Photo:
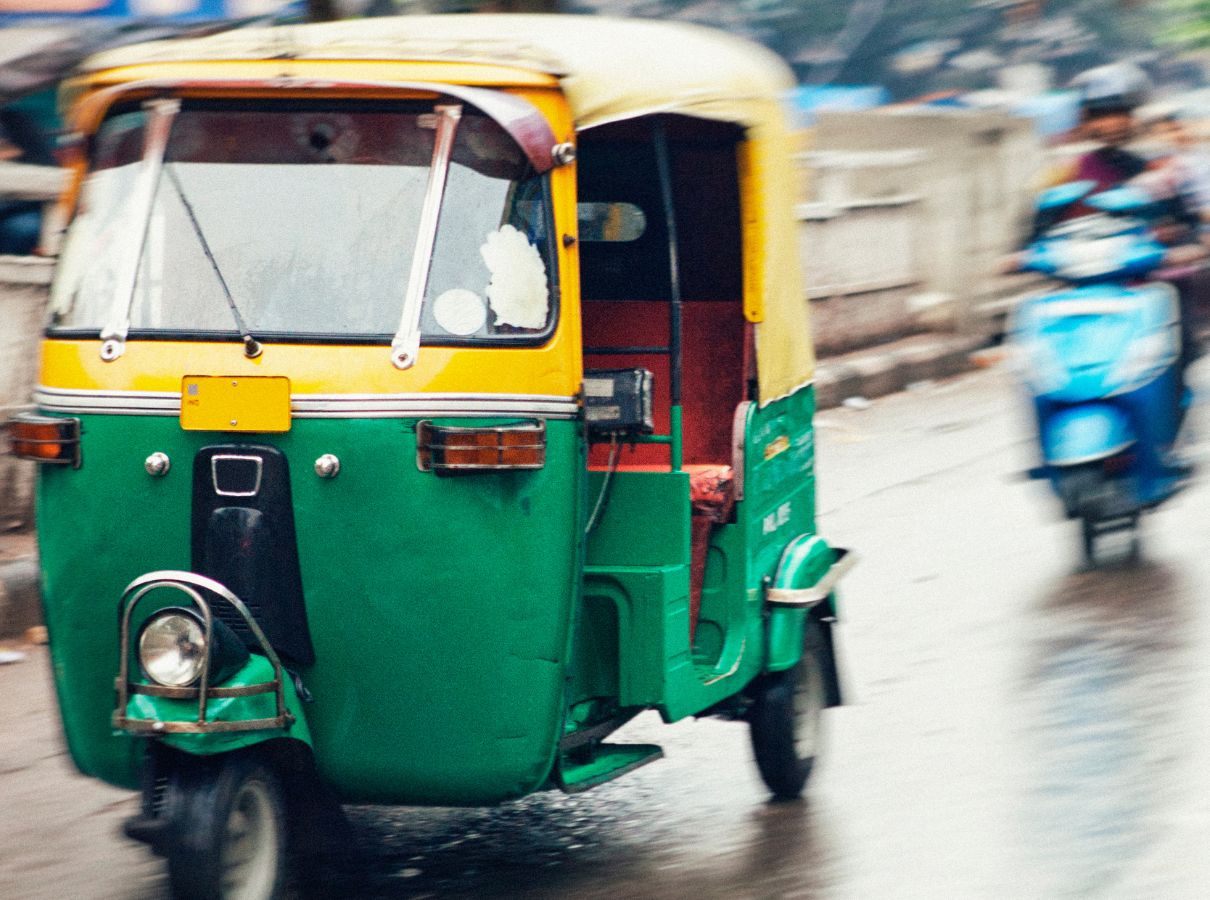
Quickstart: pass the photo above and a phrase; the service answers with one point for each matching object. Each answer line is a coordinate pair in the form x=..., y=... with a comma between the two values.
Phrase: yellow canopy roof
x=609, y=70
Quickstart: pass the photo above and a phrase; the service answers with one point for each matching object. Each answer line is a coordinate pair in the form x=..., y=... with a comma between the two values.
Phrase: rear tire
x=229, y=833
x=786, y=719
x=1088, y=534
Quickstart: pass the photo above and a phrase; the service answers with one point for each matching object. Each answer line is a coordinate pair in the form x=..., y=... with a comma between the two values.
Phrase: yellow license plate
x=234, y=403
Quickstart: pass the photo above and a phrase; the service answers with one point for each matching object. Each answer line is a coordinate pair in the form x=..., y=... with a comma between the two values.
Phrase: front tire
x=786, y=718
x=229, y=833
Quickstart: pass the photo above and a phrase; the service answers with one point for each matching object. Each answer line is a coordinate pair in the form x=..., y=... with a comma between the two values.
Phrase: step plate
x=609, y=761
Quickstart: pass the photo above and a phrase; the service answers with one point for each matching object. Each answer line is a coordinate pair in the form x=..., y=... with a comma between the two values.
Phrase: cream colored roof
x=609, y=69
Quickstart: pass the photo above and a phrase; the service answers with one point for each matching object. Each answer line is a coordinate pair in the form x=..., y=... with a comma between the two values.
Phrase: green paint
x=439, y=607
x=806, y=560
x=644, y=522
x=258, y=670
x=677, y=435
x=605, y=763
x=637, y=581
x=447, y=669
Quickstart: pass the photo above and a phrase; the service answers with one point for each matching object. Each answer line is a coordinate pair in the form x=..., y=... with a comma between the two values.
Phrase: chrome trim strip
x=807, y=597
x=236, y=457
x=321, y=406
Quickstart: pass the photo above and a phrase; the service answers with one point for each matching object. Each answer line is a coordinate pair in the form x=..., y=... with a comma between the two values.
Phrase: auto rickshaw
x=422, y=399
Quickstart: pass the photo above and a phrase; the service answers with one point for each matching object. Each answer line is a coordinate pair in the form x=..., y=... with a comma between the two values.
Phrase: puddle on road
x=1101, y=724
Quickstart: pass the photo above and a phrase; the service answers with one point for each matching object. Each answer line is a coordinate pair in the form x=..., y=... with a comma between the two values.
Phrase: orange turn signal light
x=453, y=450
x=44, y=439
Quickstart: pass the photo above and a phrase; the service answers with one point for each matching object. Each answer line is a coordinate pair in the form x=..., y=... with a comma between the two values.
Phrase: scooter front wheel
x=1090, y=530
x=229, y=834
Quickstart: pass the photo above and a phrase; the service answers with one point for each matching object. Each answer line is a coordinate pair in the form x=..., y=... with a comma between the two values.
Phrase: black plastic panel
x=243, y=536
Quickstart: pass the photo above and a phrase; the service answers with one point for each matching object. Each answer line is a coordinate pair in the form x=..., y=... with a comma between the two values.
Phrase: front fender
x=1085, y=433
x=802, y=586
x=256, y=671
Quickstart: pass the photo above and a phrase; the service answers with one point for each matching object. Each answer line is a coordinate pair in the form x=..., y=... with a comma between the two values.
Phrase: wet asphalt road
x=1017, y=726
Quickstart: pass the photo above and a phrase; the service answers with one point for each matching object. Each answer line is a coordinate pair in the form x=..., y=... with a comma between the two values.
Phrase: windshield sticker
x=518, y=291
x=459, y=311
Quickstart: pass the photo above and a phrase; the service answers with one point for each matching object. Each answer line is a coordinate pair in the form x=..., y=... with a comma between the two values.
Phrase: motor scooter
x=1101, y=359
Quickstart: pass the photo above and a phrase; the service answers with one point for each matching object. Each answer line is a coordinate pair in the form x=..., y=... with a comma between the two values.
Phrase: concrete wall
x=954, y=186
x=23, y=292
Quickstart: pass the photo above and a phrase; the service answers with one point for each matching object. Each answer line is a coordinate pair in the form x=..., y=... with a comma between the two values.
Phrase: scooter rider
x=1110, y=95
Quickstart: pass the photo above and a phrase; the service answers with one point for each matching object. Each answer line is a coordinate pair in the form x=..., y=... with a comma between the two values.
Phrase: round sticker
x=460, y=311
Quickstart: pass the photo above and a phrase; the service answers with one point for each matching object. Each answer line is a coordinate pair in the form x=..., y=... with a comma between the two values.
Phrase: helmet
x=1116, y=87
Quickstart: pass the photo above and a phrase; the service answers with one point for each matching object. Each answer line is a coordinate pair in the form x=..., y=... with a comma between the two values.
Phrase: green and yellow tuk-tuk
x=422, y=399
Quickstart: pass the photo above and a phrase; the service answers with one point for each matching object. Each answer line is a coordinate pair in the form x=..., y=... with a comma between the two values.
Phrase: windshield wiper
x=406, y=344
x=252, y=347
x=160, y=116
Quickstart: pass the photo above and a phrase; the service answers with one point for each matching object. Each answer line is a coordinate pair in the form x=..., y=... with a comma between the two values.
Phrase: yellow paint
x=85, y=96
x=226, y=403
x=552, y=369
x=778, y=445
x=321, y=368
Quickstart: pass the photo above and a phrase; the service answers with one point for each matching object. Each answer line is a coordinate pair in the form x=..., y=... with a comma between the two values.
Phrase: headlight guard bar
x=193, y=586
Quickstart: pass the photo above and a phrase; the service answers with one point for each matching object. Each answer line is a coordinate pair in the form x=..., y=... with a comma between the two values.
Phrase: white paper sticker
x=460, y=311
x=518, y=292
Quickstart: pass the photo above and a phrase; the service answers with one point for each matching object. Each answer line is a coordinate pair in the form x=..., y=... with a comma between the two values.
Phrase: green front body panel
x=439, y=607
x=632, y=643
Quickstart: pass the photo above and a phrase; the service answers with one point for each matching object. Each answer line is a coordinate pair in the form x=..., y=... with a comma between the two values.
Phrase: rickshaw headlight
x=172, y=648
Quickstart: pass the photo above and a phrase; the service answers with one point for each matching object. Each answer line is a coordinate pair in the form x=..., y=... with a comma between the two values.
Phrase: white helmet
x=1116, y=87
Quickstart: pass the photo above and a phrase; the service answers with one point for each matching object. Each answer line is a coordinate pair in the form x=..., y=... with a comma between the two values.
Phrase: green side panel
x=637, y=571
x=656, y=667
x=439, y=607
x=258, y=670
x=644, y=520
x=779, y=477
x=651, y=607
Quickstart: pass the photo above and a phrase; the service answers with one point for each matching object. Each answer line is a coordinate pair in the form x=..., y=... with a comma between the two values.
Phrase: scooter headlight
x=172, y=647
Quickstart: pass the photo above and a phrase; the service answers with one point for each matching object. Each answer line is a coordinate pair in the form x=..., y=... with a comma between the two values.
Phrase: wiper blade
x=252, y=347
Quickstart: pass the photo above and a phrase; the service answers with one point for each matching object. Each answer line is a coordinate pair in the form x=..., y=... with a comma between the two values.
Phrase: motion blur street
x=1016, y=726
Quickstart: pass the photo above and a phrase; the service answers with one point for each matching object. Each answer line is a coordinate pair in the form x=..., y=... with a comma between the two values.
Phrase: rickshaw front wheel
x=229, y=840
x=786, y=716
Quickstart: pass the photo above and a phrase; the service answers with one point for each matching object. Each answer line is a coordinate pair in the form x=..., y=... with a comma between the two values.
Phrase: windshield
x=309, y=216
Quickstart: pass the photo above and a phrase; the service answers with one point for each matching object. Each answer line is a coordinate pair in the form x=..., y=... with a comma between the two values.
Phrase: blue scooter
x=1102, y=360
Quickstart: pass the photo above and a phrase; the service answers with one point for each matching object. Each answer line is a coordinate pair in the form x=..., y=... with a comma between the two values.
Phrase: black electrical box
x=618, y=402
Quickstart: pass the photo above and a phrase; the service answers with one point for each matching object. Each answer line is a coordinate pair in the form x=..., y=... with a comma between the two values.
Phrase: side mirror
x=618, y=402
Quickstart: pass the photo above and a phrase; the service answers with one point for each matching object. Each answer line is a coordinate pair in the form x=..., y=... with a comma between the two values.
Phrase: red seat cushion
x=711, y=491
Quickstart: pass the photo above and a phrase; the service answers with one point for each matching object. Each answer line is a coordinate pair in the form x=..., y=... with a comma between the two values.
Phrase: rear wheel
x=786, y=719
x=229, y=834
